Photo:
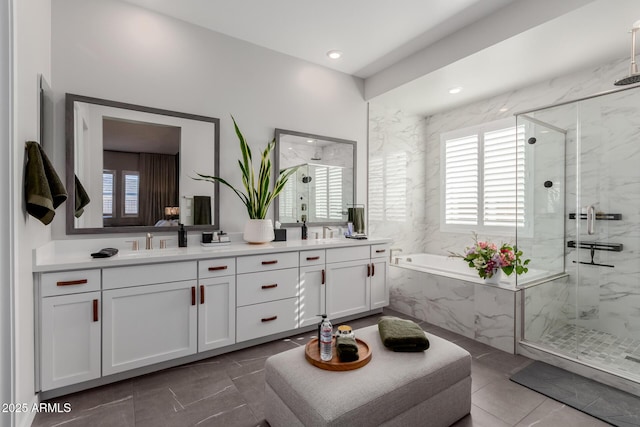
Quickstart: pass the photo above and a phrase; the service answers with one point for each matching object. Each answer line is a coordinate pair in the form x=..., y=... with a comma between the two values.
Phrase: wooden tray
x=312, y=354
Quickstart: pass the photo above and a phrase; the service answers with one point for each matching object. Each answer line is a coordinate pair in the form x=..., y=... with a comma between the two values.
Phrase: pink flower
x=483, y=245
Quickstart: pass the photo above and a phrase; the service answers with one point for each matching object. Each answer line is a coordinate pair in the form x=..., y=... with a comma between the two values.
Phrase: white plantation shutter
x=483, y=177
x=287, y=201
x=321, y=196
x=131, y=193
x=500, y=182
x=376, y=189
x=334, y=188
x=107, y=193
x=461, y=180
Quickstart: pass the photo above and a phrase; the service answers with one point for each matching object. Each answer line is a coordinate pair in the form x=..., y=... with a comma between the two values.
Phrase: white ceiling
x=380, y=38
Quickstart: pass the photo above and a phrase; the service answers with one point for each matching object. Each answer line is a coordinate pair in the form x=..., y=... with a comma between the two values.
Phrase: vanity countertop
x=60, y=255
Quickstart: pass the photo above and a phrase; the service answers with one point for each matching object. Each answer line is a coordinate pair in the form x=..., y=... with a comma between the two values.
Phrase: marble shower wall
x=397, y=182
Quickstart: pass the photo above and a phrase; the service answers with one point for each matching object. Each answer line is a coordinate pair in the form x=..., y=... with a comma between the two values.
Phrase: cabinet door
x=70, y=339
x=379, y=285
x=148, y=324
x=311, y=297
x=348, y=288
x=216, y=313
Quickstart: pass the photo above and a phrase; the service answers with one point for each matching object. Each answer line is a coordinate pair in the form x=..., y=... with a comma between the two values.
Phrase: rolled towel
x=347, y=349
x=401, y=335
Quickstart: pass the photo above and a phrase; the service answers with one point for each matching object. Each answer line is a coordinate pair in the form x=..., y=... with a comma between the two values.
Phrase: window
x=328, y=193
x=483, y=177
x=131, y=181
x=107, y=193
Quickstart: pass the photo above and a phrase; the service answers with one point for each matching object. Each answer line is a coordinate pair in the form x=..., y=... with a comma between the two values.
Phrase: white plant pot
x=495, y=279
x=258, y=231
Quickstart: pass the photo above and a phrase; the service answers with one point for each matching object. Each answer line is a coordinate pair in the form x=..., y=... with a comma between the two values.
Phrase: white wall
x=6, y=181
x=32, y=53
x=113, y=50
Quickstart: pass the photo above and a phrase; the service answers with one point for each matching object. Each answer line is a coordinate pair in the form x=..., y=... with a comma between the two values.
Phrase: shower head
x=634, y=76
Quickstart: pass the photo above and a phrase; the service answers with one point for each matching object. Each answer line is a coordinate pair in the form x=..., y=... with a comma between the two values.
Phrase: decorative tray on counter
x=312, y=354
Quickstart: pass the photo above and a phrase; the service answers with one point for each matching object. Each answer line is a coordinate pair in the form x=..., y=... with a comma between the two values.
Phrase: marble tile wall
x=484, y=313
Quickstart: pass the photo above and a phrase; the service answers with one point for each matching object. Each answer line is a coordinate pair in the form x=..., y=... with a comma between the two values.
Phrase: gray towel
x=82, y=198
x=201, y=210
x=44, y=191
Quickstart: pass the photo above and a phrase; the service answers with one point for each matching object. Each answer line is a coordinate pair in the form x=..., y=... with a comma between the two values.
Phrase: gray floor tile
x=506, y=400
x=118, y=413
x=480, y=418
x=552, y=413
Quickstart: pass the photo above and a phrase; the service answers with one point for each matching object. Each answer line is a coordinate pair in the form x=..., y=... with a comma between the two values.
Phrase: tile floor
x=599, y=348
x=227, y=391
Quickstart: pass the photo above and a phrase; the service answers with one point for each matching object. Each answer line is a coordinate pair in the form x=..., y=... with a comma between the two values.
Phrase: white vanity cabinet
x=216, y=303
x=70, y=324
x=267, y=295
x=116, y=317
x=148, y=321
x=348, y=288
x=311, y=294
x=356, y=280
x=379, y=274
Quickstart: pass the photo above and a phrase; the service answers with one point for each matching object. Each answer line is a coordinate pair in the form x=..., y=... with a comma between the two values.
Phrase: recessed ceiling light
x=455, y=90
x=334, y=54
x=503, y=109
x=310, y=141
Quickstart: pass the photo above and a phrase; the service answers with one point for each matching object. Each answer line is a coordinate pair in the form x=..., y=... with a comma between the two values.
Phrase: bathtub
x=457, y=268
x=446, y=292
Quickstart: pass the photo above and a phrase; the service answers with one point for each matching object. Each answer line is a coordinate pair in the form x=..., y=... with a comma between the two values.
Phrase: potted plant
x=258, y=194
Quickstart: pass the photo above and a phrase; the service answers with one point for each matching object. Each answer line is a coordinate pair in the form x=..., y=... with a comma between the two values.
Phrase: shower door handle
x=591, y=219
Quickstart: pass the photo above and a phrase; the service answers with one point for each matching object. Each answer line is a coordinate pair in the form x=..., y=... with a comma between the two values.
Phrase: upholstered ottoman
x=431, y=388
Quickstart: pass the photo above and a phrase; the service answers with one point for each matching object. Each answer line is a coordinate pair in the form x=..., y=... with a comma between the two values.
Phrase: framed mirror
x=129, y=168
x=324, y=186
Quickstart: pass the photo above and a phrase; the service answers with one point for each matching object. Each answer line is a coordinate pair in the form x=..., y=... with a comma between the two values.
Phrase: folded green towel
x=82, y=199
x=347, y=349
x=401, y=335
x=201, y=210
x=43, y=188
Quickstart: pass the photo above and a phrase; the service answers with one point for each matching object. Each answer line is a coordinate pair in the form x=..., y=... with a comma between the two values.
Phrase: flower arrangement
x=488, y=258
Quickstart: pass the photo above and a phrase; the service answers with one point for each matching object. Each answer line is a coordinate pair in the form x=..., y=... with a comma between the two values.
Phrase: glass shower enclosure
x=581, y=204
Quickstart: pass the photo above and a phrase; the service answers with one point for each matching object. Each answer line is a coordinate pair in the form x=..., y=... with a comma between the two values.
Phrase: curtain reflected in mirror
x=323, y=187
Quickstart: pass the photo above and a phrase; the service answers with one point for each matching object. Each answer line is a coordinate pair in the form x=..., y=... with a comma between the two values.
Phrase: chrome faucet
x=324, y=231
x=391, y=251
x=149, y=244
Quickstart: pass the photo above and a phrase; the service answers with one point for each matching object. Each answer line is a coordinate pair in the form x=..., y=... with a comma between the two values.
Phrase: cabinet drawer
x=122, y=277
x=69, y=282
x=255, y=288
x=268, y=318
x=380, y=251
x=348, y=254
x=312, y=258
x=266, y=262
x=216, y=267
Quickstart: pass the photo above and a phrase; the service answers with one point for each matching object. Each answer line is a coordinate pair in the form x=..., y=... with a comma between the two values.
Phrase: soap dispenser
x=304, y=230
x=182, y=236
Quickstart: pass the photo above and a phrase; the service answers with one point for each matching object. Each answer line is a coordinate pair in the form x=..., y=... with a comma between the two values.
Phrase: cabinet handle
x=275, y=285
x=269, y=319
x=201, y=294
x=221, y=267
x=95, y=310
x=313, y=258
x=381, y=251
x=193, y=295
x=368, y=270
x=323, y=276
x=373, y=270
x=72, y=282
x=275, y=261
